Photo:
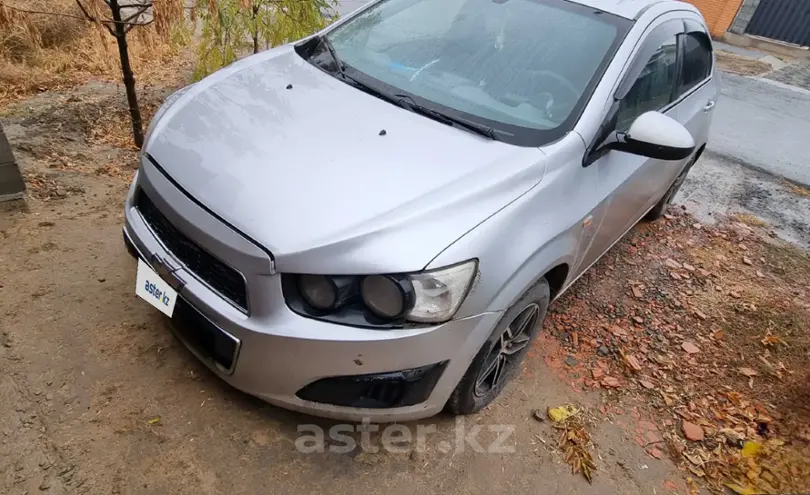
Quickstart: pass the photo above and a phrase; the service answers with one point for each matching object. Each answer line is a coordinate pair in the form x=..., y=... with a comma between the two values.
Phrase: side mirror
x=657, y=136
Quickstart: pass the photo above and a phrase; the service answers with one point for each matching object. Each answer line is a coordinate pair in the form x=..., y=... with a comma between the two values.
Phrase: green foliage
x=234, y=28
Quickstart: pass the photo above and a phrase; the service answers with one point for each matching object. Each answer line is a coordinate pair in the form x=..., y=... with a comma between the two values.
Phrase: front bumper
x=280, y=353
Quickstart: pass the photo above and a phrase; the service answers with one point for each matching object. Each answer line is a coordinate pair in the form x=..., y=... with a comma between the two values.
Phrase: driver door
x=631, y=184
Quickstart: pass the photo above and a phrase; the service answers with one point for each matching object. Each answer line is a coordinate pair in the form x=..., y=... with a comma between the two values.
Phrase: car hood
x=326, y=177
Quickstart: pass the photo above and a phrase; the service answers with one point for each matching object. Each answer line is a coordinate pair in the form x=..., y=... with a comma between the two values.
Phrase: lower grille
x=219, y=276
x=205, y=337
x=376, y=391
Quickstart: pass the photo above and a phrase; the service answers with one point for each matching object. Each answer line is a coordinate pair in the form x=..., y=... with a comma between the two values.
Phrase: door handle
x=709, y=105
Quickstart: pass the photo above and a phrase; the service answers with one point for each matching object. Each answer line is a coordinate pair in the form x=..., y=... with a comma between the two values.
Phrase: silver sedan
x=372, y=222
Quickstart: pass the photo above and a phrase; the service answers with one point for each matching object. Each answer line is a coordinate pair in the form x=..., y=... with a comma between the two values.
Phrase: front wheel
x=660, y=207
x=501, y=355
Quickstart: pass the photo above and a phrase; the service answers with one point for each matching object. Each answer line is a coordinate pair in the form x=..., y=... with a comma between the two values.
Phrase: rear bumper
x=281, y=353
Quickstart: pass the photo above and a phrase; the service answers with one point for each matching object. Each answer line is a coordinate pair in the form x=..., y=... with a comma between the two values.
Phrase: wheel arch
x=556, y=278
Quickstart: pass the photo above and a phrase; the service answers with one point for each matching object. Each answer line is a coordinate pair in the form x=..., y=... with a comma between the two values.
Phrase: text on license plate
x=154, y=290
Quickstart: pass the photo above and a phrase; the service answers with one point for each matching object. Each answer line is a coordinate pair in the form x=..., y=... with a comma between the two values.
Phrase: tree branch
x=85, y=12
x=26, y=11
x=87, y=15
x=129, y=27
x=136, y=4
x=137, y=13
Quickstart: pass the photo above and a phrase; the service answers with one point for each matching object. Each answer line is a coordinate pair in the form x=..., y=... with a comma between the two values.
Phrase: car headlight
x=325, y=293
x=169, y=101
x=432, y=296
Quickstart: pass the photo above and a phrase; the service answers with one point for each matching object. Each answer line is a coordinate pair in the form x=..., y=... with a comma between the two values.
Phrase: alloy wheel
x=505, y=352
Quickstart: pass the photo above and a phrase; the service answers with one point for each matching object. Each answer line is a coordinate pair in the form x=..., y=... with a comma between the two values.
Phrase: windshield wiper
x=406, y=101
x=331, y=49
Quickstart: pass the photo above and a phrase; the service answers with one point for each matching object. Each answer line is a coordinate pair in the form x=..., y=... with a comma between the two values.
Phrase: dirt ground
x=736, y=64
x=97, y=396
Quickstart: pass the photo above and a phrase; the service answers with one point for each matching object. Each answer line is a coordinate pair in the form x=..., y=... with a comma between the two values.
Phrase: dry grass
x=41, y=52
x=799, y=190
x=751, y=220
x=740, y=65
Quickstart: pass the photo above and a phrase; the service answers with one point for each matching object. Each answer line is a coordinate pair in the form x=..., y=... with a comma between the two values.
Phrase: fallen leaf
x=619, y=332
x=610, y=382
x=741, y=490
x=690, y=348
x=719, y=334
x=673, y=264
x=637, y=293
x=770, y=340
x=646, y=384
x=751, y=449
x=747, y=372
x=153, y=421
x=697, y=471
x=561, y=413
x=632, y=362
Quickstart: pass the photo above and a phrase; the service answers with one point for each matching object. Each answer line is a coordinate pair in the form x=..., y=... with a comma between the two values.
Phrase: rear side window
x=697, y=61
x=653, y=88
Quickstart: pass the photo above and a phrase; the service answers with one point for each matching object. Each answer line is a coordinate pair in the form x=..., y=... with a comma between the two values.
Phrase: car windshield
x=521, y=67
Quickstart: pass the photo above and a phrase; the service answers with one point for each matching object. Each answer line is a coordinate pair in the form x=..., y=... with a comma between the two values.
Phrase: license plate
x=154, y=290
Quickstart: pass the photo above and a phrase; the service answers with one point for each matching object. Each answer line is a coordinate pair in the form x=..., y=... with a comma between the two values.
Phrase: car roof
x=629, y=9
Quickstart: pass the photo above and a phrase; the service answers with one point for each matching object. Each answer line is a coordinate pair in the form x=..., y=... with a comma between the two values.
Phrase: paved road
x=763, y=125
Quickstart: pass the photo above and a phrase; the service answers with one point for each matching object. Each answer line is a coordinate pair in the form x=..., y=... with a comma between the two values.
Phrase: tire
x=478, y=389
x=661, y=207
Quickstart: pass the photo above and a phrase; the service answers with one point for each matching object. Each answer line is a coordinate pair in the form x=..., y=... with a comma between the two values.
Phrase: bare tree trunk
x=255, y=29
x=120, y=32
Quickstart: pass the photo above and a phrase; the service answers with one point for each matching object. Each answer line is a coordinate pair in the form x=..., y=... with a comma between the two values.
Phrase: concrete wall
x=11, y=183
x=719, y=14
x=744, y=16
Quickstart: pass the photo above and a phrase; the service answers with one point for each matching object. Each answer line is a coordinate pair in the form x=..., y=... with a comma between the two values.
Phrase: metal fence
x=783, y=20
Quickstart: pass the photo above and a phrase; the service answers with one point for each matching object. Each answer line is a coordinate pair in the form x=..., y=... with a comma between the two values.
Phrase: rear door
x=696, y=92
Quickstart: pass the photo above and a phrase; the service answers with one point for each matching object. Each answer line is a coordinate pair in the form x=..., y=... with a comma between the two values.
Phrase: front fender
x=525, y=240
x=508, y=269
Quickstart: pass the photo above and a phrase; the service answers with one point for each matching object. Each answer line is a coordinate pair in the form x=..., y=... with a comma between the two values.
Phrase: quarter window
x=697, y=61
x=653, y=88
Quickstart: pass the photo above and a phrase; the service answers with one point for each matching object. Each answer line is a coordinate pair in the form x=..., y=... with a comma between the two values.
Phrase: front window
x=525, y=68
x=653, y=88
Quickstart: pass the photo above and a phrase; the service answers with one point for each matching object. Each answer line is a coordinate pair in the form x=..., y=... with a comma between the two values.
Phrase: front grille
x=219, y=276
